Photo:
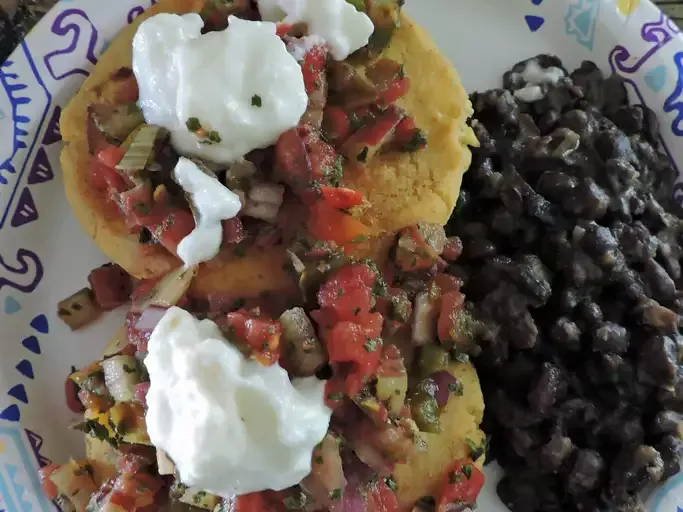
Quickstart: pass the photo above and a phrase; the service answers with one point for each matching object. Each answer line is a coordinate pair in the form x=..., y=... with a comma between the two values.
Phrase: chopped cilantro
x=416, y=142
x=129, y=369
x=335, y=396
x=391, y=483
x=318, y=459
x=467, y=471
x=256, y=101
x=453, y=477
x=371, y=345
x=363, y=155
x=198, y=497
x=359, y=239
x=214, y=136
x=456, y=388
x=193, y=124
x=336, y=494
x=340, y=292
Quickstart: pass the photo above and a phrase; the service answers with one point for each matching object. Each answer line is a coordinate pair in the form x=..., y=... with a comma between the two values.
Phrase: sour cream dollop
x=240, y=84
x=213, y=203
x=337, y=22
x=230, y=425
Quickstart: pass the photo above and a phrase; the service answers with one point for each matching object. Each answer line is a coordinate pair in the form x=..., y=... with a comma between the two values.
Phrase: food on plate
x=358, y=394
x=571, y=261
x=339, y=116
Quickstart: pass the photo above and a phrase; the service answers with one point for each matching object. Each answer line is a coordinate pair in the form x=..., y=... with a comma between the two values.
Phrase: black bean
x=566, y=334
x=660, y=286
x=609, y=337
x=544, y=394
x=658, y=360
x=586, y=473
x=555, y=452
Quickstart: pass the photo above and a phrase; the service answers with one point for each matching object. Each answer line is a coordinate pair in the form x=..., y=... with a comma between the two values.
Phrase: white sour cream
x=337, y=22
x=534, y=74
x=230, y=425
x=213, y=203
x=240, y=83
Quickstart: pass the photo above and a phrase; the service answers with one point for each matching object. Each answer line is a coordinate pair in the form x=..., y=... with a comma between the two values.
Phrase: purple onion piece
x=443, y=379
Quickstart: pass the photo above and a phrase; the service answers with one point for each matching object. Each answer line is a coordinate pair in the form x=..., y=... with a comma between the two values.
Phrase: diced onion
x=424, y=319
x=150, y=318
x=120, y=377
x=168, y=291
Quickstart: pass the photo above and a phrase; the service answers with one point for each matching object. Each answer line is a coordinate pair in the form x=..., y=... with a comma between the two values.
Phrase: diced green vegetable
x=143, y=149
x=425, y=408
x=116, y=122
x=432, y=359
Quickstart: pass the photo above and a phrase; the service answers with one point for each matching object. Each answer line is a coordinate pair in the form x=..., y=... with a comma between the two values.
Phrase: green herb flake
x=416, y=142
x=335, y=396
x=256, y=101
x=129, y=369
x=391, y=483
x=455, y=388
x=467, y=471
x=293, y=502
x=142, y=208
x=371, y=345
x=471, y=445
x=453, y=477
x=318, y=459
x=193, y=124
x=214, y=136
x=360, y=239
x=198, y=497
x=363, y=155
x=336, y=494
x=340, y=292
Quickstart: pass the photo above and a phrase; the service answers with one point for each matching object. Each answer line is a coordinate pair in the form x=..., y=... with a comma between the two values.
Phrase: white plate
x=44, y=256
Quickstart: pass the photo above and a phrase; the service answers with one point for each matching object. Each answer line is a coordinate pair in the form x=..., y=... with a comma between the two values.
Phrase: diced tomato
x=331, y=225
x=292, y=163
x=380, y=498
x=396, y=89
x=49, y=487
x=349, y=342
x=356, y=273
x=348, y=292
x=447, y=283
x=313, y=68
x=377, y=132
x=71, y=393
x=336, y=124
x=122, y=500
x=253, y=502
x=453, y=249
x=282, y=29
x=260, y=333
x=461, y=485
x=449, y=317
x=404, y=131
x=326, y=165
x=127, y=85
x=341, y=198
x=233, y=231
x=104, y=174
x=111, y=286
x=175, y=226
x=391, y=364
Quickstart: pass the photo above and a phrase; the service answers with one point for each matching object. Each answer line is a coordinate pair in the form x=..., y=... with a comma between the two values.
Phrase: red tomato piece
x=313, y=68
x=461, y=485
x=341, y=198
x=254, y=502
x=233, y=231
x=103, y=171
x=336, y=124
x=380, y=498
x=331, y=225
x=292, y=163
x=451, y=307
x=396, y=89
x=282, y=29
x=49, y=487
x=404, y=131
x=326, y=166
x=447, y=283
x=260, y=333
x=172, y=229
x=453, y=249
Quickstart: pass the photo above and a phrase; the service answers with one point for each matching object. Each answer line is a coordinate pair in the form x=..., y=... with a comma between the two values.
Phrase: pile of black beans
x=572, y=265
